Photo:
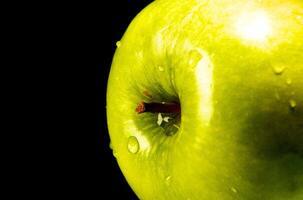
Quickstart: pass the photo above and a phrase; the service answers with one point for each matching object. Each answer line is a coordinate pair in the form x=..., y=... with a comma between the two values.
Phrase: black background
x=92, y=33
x=61, y=57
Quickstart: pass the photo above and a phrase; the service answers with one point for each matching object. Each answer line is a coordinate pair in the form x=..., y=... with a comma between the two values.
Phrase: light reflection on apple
x=254, y=26
x=144, y=144
x=204, y=77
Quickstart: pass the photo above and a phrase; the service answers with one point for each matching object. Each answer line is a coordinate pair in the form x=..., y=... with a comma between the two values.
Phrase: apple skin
x=236, y=67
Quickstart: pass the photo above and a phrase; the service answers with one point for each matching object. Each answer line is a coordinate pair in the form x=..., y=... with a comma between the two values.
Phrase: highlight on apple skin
x=205, y=100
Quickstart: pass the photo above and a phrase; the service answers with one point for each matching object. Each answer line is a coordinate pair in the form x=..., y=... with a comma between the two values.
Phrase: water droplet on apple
x=161, y=69
x=168, y=180
x=194, y=57
x=279, y=69
x=118, y=44
x=139, y=55
x=292, y=104
x=234, y=190
x=111, y=147
x=115, y=153
x=288, y=81
x=133, y=145
x=299, y=19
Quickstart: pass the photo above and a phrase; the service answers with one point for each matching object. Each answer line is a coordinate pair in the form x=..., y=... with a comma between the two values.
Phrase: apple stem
x=158, y=107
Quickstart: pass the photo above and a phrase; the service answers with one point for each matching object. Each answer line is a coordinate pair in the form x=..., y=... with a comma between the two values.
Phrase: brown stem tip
x=153, y=107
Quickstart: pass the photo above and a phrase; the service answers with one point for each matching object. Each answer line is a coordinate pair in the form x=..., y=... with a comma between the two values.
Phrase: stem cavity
x=153, y=107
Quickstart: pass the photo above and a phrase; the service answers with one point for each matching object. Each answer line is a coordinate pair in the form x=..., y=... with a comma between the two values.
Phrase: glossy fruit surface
x=236, y=68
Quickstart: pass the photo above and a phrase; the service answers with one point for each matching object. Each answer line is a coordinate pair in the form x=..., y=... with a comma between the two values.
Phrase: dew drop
x=168, y=180
x=115, y=153
x=279, y=69
x=111, y=147
x=292, y=103
x=234, y=190
x=139, y=55
x=195, y=56
x=299, y=18
x=160, y=68
x=133, y=145
x=288, y=81
x=118, y=44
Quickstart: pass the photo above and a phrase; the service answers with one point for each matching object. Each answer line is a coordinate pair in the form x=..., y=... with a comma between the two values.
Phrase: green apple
x=205, y=100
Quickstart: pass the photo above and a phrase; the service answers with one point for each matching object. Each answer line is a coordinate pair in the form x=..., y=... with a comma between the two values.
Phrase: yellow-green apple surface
x=205, y=100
